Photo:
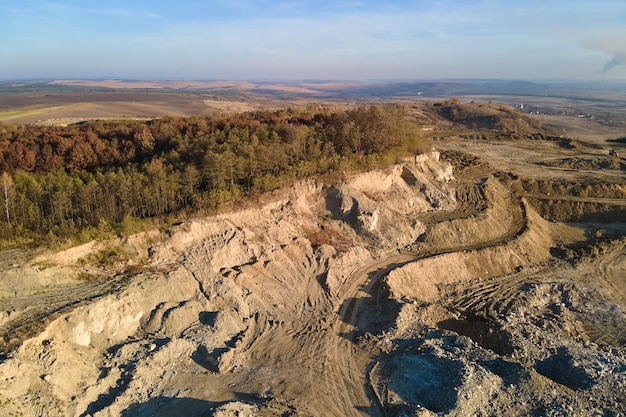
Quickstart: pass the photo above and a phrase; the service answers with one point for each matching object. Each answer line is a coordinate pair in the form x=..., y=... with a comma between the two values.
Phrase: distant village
x=534, y=109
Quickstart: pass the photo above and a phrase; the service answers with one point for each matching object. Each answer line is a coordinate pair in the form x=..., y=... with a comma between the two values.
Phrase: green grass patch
x=10, y=114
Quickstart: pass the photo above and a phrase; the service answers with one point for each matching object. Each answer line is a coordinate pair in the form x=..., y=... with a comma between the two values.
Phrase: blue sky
x=295, y=40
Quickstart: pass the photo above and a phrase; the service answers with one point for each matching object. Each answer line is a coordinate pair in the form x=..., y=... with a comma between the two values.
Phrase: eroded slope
x=416, y=290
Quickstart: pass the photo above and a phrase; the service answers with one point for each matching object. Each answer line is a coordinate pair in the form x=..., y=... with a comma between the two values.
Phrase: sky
x=322, y=40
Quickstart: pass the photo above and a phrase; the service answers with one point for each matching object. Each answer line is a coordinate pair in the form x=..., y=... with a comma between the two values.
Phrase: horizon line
x=303, y=80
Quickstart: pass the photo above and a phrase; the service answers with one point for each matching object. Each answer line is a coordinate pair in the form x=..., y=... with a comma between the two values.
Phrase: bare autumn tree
x=7, y=185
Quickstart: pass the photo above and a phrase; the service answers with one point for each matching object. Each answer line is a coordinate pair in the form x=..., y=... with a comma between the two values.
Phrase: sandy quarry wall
x=420, y=279
x=486, y=212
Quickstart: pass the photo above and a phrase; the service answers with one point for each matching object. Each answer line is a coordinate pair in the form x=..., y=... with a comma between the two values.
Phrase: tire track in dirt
x=363, y=281
x=288, y=350
x=299, y=360
x=596, y=200
x=361, y=284
x=38, y=310
x=492, y=299
x=609, y=272
x=323, y=368
x=547, y=291
x=361, y=287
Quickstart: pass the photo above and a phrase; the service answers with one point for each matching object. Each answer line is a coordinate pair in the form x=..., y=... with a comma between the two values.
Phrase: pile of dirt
x=595, y=163
x=453, y=374
x=527, y=343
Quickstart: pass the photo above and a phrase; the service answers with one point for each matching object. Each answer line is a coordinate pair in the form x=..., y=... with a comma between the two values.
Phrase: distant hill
x=489, y=116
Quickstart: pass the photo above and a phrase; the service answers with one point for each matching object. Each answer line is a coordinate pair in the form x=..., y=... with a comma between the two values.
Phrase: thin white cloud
x=487, y=38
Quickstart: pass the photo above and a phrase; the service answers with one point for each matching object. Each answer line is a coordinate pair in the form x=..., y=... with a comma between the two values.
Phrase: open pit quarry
x=458, y=283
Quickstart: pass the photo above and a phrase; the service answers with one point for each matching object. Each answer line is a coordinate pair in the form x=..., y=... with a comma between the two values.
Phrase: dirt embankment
x=247, y=308
x=417, y=290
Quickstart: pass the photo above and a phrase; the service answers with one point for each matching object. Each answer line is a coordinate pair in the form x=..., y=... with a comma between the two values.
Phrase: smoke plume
x=617, y=60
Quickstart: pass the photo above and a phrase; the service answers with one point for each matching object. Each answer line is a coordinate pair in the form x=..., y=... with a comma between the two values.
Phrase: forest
x=75, y=182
